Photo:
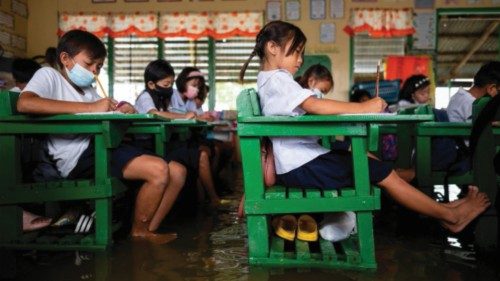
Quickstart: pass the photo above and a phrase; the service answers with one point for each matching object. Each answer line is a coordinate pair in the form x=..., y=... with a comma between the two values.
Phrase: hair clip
x=421, y=82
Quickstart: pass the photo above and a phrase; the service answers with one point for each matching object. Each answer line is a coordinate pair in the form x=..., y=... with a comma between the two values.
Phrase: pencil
x=100, y=86
x=378, y=79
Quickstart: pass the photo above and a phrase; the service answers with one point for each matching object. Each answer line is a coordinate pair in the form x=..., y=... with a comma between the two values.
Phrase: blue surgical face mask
x=80, y=76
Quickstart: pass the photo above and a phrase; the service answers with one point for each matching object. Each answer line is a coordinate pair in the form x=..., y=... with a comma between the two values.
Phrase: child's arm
x=173, y=115
x=327, y=106
x=30, y=102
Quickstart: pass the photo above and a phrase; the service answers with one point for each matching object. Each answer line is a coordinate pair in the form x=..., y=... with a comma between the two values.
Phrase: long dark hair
x=279, y=32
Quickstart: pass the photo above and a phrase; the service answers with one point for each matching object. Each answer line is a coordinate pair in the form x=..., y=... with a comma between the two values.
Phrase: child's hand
x=125, y=107
x=103, y=105
x=374, y=105
x=206, y=116
x=190, y=115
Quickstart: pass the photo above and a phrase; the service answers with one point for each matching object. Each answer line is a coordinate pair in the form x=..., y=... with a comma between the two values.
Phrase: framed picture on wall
x=103, y=1
x=292, y=9
x=273, y=10
x=317, y=9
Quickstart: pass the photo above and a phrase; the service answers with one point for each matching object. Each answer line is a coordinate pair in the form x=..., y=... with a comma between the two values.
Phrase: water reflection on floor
x=212, y=246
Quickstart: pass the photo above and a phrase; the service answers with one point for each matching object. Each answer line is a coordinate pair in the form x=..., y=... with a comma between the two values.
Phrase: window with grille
x=368, y=51
x=131, y=55
x=230, y=55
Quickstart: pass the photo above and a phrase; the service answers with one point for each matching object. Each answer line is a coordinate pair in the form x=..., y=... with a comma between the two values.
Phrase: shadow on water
x=212, y=246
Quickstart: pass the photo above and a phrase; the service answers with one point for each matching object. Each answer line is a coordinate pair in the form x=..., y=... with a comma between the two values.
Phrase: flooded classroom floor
x=212, y=245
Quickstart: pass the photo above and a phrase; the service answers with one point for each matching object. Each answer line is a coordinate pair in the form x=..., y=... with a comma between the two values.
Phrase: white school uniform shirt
x=177, y=104
x=281, y=95
x=64, y=149
x=460, y=106
x=144, y=103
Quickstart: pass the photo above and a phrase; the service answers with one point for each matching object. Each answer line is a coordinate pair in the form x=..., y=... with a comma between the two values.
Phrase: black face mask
x=164, y=92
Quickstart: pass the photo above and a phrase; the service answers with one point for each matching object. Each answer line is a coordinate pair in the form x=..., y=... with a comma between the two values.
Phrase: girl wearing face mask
x=155, y=99
x=159, y=78
x=318, y=79
x=189, y=83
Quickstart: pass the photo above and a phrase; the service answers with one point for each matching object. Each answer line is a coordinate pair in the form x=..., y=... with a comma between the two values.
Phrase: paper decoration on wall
x=19, y=8
x=317, y=8
x=273, y=10
x=327, y=33
x=19, y=42
x=103, y=1
x=424, y=4
x=292, y=10
x=336, y=9
x=6, y=20
x=425, y=35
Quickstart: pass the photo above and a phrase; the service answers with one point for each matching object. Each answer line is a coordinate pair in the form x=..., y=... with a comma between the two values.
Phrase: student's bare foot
x=157, y=238
x=473, y=205
x=34, y=222
x=456, y=203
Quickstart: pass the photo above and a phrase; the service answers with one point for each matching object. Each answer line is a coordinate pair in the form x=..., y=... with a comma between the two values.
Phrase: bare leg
x=154, y=171
x=205, y=175
x=177, y=178
x=454, y=218
x=406, y=174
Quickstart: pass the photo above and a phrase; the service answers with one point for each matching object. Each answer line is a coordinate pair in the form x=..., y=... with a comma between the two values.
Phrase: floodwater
x=212, y=246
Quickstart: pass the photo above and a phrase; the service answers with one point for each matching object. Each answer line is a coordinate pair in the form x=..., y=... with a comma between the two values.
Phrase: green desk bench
x=265, y=248
x=107, y=131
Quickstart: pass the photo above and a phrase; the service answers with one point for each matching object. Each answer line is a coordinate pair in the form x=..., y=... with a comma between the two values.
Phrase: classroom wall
x=20, y=27
x=42, y=23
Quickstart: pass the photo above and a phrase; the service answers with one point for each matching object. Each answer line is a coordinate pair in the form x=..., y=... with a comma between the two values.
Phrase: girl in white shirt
x=301, y=161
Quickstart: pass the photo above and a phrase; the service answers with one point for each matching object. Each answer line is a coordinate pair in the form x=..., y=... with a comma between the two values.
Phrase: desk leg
x=363, y=186
x=103, y=229
x=253, y=182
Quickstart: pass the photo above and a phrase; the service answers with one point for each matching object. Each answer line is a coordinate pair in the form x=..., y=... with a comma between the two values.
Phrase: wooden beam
x=490, y=29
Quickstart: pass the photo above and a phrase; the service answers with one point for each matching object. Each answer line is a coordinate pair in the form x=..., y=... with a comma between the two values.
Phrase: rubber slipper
x=285, y=227
x=307, y=229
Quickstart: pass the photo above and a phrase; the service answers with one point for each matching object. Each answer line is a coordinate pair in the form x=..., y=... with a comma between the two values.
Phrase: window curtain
x=113, y=25
x=381, y=22
x=218, y=25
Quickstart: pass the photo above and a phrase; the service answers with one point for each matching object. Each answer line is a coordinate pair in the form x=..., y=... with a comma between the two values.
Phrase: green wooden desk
x=357, y=252
x=107, y=131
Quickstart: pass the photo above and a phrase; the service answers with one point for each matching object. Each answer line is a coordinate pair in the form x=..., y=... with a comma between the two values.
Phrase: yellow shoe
x=285, y=227
x=307, y=229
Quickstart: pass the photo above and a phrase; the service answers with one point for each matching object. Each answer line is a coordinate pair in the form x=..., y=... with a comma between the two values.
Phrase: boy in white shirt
x=486, y=81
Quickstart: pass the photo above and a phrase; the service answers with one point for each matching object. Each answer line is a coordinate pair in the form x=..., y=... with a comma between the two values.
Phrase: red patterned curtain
x=381, y=22
x=218, y=25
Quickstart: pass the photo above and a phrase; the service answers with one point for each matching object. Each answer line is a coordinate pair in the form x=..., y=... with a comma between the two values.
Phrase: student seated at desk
x=80, y=57
x=415, y=91
x=302, y=162
x=318, y=79
x=159, y=78
x=486, y=81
